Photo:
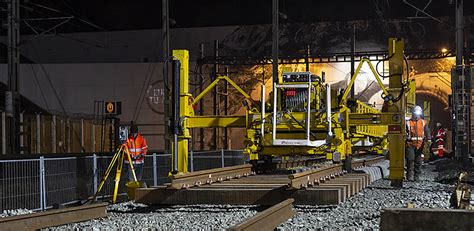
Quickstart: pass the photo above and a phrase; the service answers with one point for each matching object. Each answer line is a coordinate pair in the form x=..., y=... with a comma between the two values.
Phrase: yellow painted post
x=411, y=95
x=118, y=174
x=185, y=109
x=396, y=137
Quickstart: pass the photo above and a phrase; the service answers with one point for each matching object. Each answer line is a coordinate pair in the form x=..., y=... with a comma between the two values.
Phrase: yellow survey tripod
x=119, y=157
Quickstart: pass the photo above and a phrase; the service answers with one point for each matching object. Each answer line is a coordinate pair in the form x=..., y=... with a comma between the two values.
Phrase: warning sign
x=113, y=108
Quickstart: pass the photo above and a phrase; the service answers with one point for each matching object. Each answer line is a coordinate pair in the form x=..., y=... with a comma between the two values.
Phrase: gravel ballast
x=14, y=212
x=360, y=212
x=129, y=215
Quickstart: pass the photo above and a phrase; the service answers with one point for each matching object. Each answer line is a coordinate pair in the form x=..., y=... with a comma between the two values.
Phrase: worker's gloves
x=141, y=156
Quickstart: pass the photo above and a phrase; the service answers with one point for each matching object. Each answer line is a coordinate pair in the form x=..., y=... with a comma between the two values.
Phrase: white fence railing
x=42, y=183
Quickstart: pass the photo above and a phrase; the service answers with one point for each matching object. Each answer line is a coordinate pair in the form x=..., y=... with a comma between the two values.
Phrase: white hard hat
x=417, y=110
x=438, y=124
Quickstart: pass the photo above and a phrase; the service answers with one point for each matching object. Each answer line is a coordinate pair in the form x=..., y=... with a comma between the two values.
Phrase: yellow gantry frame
x=214, y=83
x=367, y=129
x=356, y=73
x=184, y=110
x=397, y=136
x=186, y=113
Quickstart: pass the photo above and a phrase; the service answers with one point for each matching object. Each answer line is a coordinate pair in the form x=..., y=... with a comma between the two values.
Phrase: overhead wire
x=146, y=82
x=142, y=90
x=40, y=88
x=46, y=74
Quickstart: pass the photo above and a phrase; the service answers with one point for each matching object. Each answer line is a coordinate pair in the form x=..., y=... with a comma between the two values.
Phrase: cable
x=55, y=92
x=146, y=81
x=41, y=89
x=377, y=68
x=298, y=122
x=402, y=91
x=142, y=97
x=50, y=83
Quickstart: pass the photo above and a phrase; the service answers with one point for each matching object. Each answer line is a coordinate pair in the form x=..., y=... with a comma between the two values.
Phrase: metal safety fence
x=42, y=183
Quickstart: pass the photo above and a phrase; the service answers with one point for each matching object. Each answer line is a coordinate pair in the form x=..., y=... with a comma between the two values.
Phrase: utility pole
x=215, y=89
x=12, y=97
x=461, y=87
x=275, y=13
x=201, y=105
x=353, y=60
x=166, y=55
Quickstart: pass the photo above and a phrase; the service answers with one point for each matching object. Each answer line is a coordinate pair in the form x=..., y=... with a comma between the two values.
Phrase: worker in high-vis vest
x=440, y=139
x=137, y=148
x=418, y=133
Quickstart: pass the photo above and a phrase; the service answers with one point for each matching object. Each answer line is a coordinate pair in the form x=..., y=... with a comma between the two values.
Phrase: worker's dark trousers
x=138, y=171
x=413, y=162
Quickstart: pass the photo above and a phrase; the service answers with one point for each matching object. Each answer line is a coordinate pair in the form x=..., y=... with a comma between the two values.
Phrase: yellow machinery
x=303, y=116
x=310, y=118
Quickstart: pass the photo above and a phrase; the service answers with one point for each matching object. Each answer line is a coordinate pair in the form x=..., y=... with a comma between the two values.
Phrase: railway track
x=367, y=161
x=268, y=219
x=297, y=180
x=324, y=184
x=55, y=217
x=191, y=179
x=325, y=173
x=315, y=176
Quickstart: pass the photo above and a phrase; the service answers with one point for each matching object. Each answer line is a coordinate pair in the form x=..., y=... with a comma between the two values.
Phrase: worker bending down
x=138, y=148
x=417, y=134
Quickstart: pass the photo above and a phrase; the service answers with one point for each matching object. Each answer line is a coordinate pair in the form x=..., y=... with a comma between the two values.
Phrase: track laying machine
x=302, y=115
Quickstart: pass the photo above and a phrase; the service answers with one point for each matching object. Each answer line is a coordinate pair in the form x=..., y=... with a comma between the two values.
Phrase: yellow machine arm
x=214, y=83
x=356, y=73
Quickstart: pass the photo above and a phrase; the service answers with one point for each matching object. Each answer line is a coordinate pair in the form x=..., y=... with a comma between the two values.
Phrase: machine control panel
x=300, y=77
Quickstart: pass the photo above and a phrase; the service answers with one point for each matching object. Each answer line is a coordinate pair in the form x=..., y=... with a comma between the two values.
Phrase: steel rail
x=55, y=217
x=367, y=162
x=315, y=176
x=322, y=174
x=190, y=179
x=268, y=219
x=288, y=164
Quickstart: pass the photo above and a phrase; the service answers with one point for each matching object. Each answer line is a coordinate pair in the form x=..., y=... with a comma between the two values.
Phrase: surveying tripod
x=119, y=157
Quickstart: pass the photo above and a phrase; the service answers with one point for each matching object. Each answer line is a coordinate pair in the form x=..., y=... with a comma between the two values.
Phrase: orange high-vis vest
x=136, y=146
x=416, y=133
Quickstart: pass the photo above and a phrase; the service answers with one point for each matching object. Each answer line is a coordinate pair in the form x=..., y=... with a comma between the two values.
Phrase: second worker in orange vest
x=417, y=134
x=138, y=148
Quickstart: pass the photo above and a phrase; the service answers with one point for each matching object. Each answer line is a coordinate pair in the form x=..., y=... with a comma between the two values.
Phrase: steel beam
x=268, y=219
x=324, y=57
x=217, y=121
x=55, y=217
